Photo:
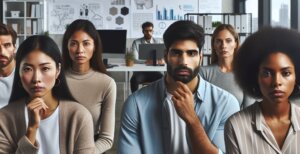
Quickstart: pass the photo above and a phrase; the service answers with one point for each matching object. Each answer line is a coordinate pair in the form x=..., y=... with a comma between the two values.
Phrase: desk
x=135, y=68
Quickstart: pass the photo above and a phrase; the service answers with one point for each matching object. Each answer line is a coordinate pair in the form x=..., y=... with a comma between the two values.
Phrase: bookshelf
x=25, y=16
x=241, y=22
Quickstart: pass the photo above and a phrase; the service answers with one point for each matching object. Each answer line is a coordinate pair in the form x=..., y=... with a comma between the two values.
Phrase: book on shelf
x=15, y=26
x=32, y=10
x=28, y=27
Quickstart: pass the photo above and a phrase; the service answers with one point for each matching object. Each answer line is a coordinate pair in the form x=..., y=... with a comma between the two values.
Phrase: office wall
x=226, y=6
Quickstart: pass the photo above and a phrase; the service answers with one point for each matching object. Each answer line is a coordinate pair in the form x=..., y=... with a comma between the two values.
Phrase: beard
x=9, y=60
x=173, y=72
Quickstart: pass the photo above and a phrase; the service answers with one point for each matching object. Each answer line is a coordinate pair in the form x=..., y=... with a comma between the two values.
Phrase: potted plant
x=129, y=59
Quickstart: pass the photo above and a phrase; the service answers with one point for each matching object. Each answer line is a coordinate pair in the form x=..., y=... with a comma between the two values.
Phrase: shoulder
x=145, y=97
x=13, y=107
x=218, y=93
x=105, y=80
x=244, y=115
x=138, y=40
x=73, y=109
x=207, y=71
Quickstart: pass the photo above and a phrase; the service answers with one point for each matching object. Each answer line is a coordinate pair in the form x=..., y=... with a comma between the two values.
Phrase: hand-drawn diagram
x=60, y=16
x=141, y=4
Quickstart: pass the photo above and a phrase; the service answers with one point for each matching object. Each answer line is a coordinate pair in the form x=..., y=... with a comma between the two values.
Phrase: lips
x=79, y=57
x=183, y=72
x=37, y=89
x=277, y=93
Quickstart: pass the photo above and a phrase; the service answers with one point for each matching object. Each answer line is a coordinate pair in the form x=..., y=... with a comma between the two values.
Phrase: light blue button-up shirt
x=145, y=126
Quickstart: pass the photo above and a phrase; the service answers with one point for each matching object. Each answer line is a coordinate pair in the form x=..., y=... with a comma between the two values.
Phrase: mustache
x=3, y=56
x=182, y=68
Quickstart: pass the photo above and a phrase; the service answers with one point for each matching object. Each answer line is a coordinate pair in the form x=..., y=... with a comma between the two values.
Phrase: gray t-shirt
x=5, y=88
x=227, y=82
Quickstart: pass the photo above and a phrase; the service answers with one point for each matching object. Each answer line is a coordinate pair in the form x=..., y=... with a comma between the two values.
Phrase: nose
x=183, y=59
x=80, y=49
x=36, y=77
x=277, y=80
x=223, y=44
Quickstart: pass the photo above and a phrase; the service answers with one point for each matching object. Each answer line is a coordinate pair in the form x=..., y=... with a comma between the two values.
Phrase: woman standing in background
x=42, y=116
x=89, y=84
x=225, y=43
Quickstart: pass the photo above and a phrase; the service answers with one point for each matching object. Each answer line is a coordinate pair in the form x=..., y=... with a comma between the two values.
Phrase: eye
x=192, y=53
x=228, y=40
x=86, y=43
x=45, y=69
x=7, y=45
x=73, y=44
x=266, y=73
x=286, y=73
x=27, y=69
x=175, y=52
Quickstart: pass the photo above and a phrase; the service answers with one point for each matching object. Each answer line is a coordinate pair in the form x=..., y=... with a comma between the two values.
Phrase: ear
x=166, y=56
x=200, y=57
x=58, y=70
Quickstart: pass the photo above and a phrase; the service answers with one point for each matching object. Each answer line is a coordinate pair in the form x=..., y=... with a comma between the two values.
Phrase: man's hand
x=183, y=100
x=158, y=62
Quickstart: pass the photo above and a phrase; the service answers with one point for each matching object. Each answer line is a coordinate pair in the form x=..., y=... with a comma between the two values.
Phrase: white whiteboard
x=124, y=14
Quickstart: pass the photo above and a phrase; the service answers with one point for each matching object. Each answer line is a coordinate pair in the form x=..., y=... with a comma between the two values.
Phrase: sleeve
x=230, y=140
x=107, y=127
x=85, y=141
x=129, y=141
x=135, y=49
x=231, y=107
x=25, y=146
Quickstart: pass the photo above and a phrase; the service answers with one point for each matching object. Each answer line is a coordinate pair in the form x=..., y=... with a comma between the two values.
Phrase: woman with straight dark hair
x=88, y=81
x=42, y=116
x=225, y=44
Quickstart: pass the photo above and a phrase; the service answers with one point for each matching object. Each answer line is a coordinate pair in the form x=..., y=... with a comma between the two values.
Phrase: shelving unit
x=241, y=22
x=25, y=16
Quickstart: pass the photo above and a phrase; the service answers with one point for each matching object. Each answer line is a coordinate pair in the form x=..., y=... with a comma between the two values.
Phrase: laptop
x=150, y=51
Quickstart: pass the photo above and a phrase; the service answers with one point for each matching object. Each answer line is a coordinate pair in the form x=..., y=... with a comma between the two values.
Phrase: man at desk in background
x=180, y=113
x=8, y=39
x=144, y=77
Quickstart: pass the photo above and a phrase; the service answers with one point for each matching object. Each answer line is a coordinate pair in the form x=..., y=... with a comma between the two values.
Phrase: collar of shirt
x=259, y=119
x=146, y=42
x=200, y=89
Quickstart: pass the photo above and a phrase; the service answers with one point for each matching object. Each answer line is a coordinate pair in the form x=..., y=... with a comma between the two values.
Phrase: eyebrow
x=42, y=64
x=284, y=68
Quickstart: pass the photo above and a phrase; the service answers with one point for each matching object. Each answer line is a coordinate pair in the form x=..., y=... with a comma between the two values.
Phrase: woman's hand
x=36, y=107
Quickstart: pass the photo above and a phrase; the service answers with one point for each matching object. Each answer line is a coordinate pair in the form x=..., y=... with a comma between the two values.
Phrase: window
x=281, y=13
x=252, y=7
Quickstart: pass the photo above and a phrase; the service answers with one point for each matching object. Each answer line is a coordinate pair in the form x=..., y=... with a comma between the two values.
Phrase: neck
x=225, y=65
x=6, y=71
x=148, y=40
x=171, y=84
x=83, y=68
x=274, y=110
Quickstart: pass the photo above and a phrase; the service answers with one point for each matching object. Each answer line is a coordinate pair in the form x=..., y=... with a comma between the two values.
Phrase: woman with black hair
x=267, y=67
x=42, y=116
x=88, y=81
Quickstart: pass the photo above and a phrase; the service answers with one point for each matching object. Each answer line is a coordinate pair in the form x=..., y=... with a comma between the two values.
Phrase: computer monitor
x=150, y=51
x=113, y=42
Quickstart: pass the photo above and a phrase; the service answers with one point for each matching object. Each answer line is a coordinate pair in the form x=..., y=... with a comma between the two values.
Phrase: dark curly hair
x=184, y=30
x=257, y=48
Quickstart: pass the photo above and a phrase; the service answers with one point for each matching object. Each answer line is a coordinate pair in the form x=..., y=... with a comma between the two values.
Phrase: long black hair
x=46, y=45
